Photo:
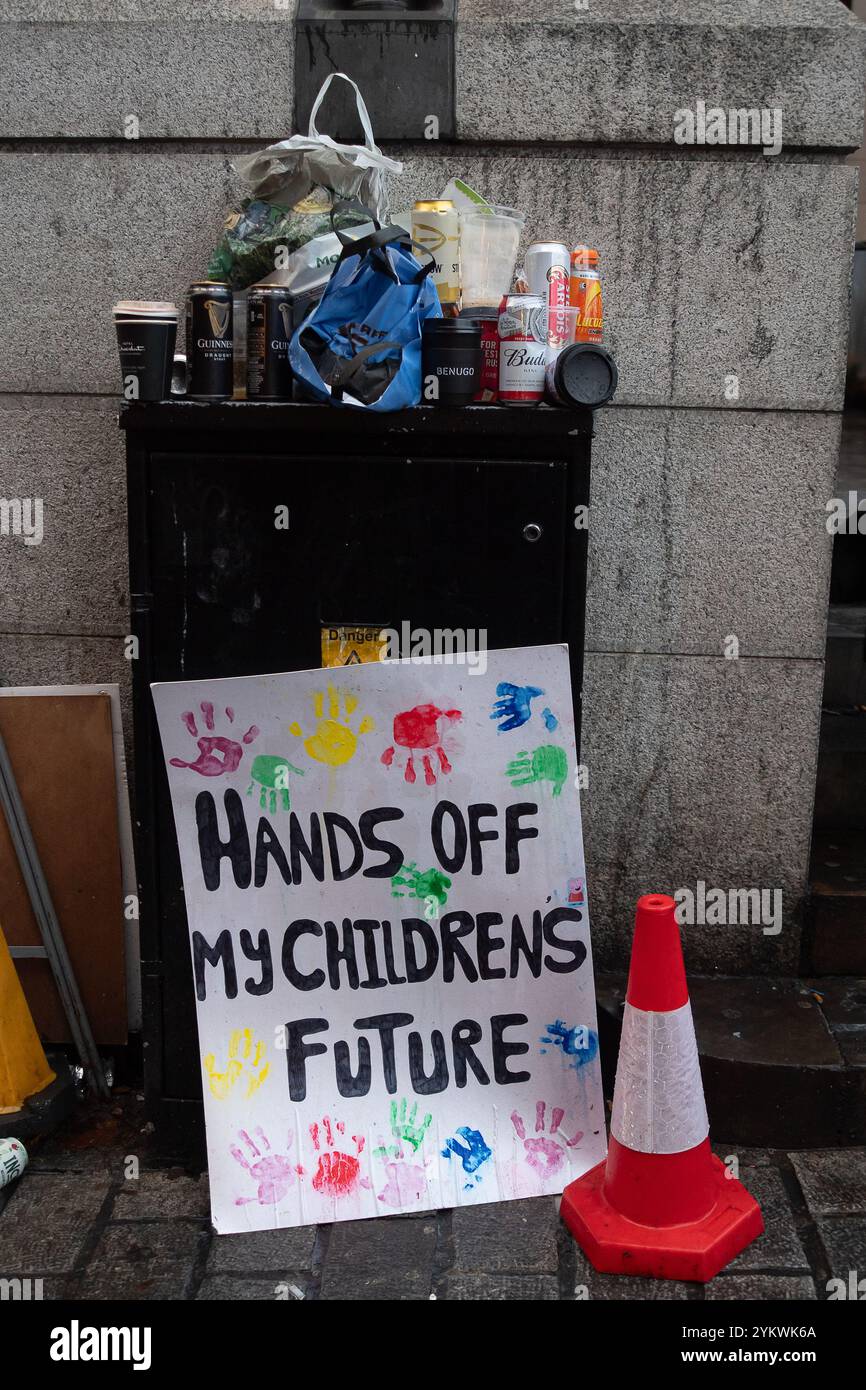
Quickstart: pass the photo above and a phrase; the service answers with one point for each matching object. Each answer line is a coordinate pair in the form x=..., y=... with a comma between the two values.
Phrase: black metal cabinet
x=442, y=518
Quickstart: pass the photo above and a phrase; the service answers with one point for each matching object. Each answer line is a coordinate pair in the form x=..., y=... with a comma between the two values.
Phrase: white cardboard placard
x=380, y=840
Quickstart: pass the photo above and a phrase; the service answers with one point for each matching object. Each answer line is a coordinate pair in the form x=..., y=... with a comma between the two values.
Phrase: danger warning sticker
x=351, y=644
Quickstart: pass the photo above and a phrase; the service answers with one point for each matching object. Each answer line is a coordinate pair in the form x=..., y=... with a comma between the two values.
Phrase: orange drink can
x=585, y=295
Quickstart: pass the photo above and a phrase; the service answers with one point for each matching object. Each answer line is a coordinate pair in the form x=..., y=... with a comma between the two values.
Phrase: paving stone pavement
x=78, y=1222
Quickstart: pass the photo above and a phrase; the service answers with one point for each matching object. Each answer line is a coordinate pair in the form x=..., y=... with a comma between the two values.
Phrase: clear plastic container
x=489, y=241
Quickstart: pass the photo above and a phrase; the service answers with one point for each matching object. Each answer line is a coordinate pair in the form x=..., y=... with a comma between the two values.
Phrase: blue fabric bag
x=361, y=345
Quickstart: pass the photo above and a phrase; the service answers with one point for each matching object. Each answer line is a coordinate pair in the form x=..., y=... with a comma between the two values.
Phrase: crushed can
x=13, y=1160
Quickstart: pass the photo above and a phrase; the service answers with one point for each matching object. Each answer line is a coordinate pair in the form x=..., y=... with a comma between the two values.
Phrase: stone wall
x=708, y=511
x=858, y=7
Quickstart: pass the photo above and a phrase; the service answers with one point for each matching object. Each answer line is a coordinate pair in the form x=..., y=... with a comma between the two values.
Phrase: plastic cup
x=489, y=241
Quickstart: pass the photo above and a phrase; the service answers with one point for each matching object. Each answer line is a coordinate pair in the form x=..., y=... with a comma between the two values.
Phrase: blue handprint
x=471, y=1154
x=513, y=707
x=579, y=1042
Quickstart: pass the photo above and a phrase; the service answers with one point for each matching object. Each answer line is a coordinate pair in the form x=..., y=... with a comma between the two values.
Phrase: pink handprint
x=272, y=1173
x=545, y=1156
x=406, y=1183
x=216, y=754
x=405, y=1180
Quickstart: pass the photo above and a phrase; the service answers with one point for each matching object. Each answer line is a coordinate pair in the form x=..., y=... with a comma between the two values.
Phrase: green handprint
x=431, y=883
x=546, y=764
x=271, y=773
x=404, y=1128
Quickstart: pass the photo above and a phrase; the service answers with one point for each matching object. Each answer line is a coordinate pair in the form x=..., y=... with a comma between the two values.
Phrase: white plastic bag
x=287, y=172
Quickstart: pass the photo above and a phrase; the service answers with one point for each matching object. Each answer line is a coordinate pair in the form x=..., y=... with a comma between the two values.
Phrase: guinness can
x=209, y=341
x=269, y=331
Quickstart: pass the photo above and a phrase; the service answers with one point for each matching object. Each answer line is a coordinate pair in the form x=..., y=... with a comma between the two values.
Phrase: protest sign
x=385, y=888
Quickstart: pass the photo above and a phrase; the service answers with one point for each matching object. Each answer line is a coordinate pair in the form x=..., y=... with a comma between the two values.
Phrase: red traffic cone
x=661, y=1204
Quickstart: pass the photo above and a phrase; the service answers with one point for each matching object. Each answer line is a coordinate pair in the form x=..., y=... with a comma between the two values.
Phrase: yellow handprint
x=333, y=743
x=246, y=1057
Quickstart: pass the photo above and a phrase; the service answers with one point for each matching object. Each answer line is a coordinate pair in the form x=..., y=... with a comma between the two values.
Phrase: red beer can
x=522, y=349
x=488, y=321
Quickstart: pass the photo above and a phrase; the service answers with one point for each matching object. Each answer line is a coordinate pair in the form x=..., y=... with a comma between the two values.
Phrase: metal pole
x=43, y=910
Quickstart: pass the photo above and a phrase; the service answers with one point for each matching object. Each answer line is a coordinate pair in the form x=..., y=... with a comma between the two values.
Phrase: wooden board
x=62, y=754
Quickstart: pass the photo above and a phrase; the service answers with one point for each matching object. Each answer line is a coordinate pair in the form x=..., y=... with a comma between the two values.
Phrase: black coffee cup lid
x=586, y=374
x=450, y=326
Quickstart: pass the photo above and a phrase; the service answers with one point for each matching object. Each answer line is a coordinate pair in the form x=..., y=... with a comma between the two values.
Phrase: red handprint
x=338, y=1174
x=216, y=754
x=417, y=729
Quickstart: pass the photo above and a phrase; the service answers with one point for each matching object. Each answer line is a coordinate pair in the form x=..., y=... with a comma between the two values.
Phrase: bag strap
x=359, y=246
x=359, y=102
x=383, y=236
x=374, y=241
x=425, y=269
x=351, y=205
x=345, y=374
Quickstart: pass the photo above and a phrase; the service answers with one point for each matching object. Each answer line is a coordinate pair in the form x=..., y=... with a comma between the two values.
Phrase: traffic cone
x=24, y=1069
x=661, y=1204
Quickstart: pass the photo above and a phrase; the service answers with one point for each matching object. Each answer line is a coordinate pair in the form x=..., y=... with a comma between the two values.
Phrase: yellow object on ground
x=24, y=1068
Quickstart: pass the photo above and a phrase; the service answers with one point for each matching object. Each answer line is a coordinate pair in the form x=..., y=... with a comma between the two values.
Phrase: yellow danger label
x=348, y=644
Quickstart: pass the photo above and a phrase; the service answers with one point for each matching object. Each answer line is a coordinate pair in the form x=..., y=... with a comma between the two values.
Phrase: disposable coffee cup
x=146, y=333
x=451, y=358
x=583, y=374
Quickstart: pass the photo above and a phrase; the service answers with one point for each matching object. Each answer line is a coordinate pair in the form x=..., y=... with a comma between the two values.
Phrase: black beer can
x=209, y=341
x=269, y=331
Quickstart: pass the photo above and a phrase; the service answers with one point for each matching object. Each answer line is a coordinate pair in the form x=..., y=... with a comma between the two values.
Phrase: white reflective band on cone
x=658, y=1099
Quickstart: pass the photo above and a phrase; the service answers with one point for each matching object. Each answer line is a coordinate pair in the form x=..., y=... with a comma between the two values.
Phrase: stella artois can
x=547, y=265
x=522, y=349
x=209, y=341
x=13, y=1160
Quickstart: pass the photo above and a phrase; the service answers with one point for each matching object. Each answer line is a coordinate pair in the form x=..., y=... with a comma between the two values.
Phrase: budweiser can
x=585, y=295
x=269, y=331
x=13, y=1160
x=209, y=341
x=522, y=349
x=548, y=265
